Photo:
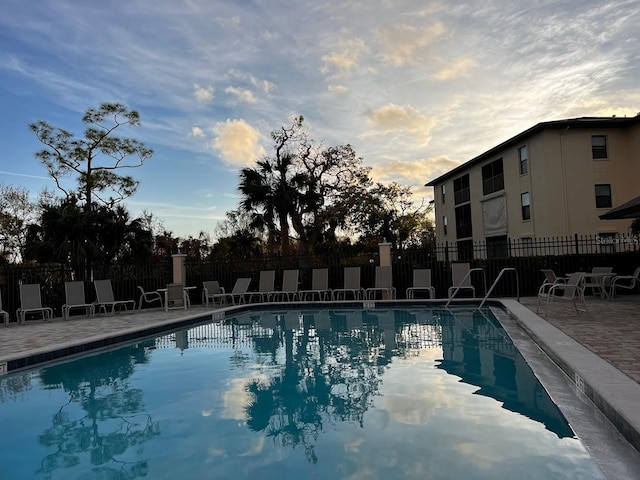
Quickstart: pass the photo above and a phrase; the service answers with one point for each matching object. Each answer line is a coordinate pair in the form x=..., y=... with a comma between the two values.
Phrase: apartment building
x=554, y=179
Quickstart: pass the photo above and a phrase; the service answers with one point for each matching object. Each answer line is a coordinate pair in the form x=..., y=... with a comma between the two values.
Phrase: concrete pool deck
x=598, y=349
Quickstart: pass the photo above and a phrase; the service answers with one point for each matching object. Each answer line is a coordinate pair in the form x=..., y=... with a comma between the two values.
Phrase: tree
x=16, y=211
x=96, y=158
x=388, y=212
x=303, y=186
x=66, y=234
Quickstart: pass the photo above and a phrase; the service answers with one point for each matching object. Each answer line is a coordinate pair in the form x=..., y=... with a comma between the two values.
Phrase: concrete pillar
x=384, y=249
x=179, y=269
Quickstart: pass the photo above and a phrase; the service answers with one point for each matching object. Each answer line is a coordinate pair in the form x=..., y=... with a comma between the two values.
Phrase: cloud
x=401, y=121
x=196, y=132
x=344, y=59
x=338, y=89
x=241, y=94
x=237, y=142
x=263, y=85
x=412, y=173
x=401, y=44
x=455, y=69
x=203, y=94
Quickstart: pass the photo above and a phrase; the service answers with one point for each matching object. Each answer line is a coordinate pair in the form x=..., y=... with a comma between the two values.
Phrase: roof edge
x=579, y=122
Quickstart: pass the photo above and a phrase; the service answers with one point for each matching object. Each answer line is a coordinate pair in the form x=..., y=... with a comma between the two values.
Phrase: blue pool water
x=351, y=394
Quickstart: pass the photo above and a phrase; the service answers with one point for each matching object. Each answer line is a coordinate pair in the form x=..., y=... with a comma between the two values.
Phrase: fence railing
x=563, y=255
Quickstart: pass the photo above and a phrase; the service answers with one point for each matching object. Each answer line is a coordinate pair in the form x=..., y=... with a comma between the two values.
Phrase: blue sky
x=416, y=87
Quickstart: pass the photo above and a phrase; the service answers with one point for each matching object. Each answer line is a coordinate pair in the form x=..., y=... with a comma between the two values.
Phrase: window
x=525, y=201
x=444, y=224
x=603, y=195
x=492, y=177
x=523, y=155
x=461, y=190
x=444, y=193
x=463, y=221
x=599, y=146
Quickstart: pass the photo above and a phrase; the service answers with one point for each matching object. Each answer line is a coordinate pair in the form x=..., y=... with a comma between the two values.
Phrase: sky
x=416, y=87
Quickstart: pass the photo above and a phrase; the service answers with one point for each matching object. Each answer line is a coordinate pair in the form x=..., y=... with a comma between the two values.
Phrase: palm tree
x=271, y=195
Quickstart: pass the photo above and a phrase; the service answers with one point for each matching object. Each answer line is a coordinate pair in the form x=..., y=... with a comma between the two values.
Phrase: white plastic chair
x=570, y=291
x=211, y=290
x=31, y=302
x=598, y=283
x=266, y=286
x=620, y=281
x=351, y=285
x=105, y=300
x=239, y=292
x=421, y=283
x=383, y=285
x=460, y=279
x=3, y=313
x=75, y=299
x=319, y=286
x=289, y=287
x=175, y=296
x=148, y=297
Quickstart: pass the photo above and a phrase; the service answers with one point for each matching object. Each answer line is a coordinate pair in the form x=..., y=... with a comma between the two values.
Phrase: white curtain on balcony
x=494, y=216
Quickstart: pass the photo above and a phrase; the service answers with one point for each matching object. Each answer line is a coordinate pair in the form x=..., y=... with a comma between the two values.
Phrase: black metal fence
x=528, y=257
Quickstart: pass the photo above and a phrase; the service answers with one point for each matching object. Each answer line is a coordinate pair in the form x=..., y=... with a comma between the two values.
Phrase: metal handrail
x=508, y=269
x=477, y=269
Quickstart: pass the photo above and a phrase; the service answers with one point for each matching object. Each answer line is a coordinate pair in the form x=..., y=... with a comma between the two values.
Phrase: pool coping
x=614, y=393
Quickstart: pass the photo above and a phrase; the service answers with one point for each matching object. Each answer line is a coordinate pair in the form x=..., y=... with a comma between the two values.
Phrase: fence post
x=575, y=236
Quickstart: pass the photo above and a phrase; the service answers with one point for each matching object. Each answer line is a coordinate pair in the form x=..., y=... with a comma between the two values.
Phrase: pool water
x=379, y=394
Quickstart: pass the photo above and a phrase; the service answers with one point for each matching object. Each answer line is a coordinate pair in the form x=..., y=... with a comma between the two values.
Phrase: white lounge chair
x=383, y=285
x=148, y=297
x=211, y=290
x=3, y=313
x=460, y=279
x=319, y=286
x=31, y=302
x=289, y=290
x=351, y=285
x=239, y=292
x=176, y=296
x=570, y=291
x=627, y=282
x=421, y=283
x=75, y=299
x=266, y=286
x=105, y=300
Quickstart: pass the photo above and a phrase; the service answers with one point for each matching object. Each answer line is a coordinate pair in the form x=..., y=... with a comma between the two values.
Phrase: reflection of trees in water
x=13, y=385
x=327, y=378
x=111, y=422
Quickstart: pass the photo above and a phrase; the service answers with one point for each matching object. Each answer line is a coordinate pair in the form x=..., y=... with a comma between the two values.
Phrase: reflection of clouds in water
x=354, y=445
x=414, y=399
x=464, y=423
x=215, y=453
x=236, y=397
x=256, y=447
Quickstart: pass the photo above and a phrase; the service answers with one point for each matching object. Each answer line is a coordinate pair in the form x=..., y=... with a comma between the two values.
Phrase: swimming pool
x=336, y=393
